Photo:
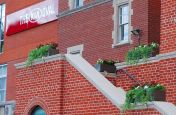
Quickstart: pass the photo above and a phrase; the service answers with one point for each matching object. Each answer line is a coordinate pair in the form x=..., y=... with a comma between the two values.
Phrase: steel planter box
x=159, y=95
x=52, y=51
x=105, y=68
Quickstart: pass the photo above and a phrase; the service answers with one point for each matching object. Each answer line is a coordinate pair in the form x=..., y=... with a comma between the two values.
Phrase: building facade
x=92, y=28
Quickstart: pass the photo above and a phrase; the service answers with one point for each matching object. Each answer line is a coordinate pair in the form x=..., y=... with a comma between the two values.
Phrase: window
x=2, y=110
x=2, y=24
x=38, y=111
x=123, y=23
x=75, y=3
x=3, y=77
x=78, y=3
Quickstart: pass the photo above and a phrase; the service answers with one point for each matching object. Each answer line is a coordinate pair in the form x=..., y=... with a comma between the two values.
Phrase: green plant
x=108, y=62
x=140, y=52
x=39, y=52
x=141, y=94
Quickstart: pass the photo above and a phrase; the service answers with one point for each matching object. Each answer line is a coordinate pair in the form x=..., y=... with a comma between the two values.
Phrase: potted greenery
x=141, y=52
x=106, y=65
x=52, y=49
x=143, y=94
x=41, y=51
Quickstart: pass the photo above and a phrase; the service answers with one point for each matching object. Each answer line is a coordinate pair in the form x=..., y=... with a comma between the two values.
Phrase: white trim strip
x=150, y=60
x=2, y=104
x=115, y=94
x=40, y=61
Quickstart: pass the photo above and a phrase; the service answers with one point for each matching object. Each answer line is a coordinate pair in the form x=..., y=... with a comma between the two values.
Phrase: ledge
x=109, y=75
x=2, y=104
x=150, y=60
x=69, y=12
x=43, y=60
x=120, y=44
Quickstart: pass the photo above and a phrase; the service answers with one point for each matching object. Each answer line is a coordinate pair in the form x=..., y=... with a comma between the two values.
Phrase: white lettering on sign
x=32, y=16
x=36, y=14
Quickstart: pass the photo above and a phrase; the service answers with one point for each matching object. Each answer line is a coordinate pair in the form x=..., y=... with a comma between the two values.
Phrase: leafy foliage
x=108, y=62
x=141, y=94
x=39, y=52
x=140, y=52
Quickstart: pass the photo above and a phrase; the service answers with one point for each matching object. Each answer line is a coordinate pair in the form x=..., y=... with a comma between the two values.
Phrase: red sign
x=32, y=16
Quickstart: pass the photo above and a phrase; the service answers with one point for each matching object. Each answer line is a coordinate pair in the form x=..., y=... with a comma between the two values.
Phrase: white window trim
x=115, y=36
x=4, y=76
x=2, y=40
x=72, y=4
x=77, y=48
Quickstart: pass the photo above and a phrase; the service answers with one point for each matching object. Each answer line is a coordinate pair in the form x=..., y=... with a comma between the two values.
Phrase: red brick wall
x=93, y=27
x=62, y=91
x=63, y=5
x=45, y=82
x=81, y=97
x=94, y=31
x=154, y=13
x=168, y=31
x=89, y=1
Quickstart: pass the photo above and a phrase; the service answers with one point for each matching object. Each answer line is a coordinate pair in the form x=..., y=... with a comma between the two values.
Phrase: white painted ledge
x=7, y=108
x=165, y=108
x=2, y=104
x=114, y=94
x=44, y=60
x=150, y=60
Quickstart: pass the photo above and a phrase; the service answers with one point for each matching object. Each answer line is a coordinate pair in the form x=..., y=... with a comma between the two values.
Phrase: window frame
x=1, y=77
x=73, y=4
x=121, y=24
x=77, y=3
x=117, y=4
x=2, y=26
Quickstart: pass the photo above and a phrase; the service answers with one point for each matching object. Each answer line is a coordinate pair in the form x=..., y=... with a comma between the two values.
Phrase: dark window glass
x=3, y=77
x=38, y=111
x=123, y=22
x=2, y=25
x=78, y=3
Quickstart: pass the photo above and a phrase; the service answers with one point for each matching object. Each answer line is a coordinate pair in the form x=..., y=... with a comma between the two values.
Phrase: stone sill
x=109, y=75
x=121, y=44
x=157, y=58
x=148, y=105
x=40, y=61
x=2, y=104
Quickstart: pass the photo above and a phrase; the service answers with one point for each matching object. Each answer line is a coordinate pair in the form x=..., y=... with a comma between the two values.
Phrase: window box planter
x=52, y=51
x=105, y=67
x=41, y=51
x=144, y=94
x=142, y=52
x=155, y=52
x=159, y=95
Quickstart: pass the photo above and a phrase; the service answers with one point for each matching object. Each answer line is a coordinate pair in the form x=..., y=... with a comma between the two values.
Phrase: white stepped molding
x=114, y=94
x=165, y=108
x=157, y=58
